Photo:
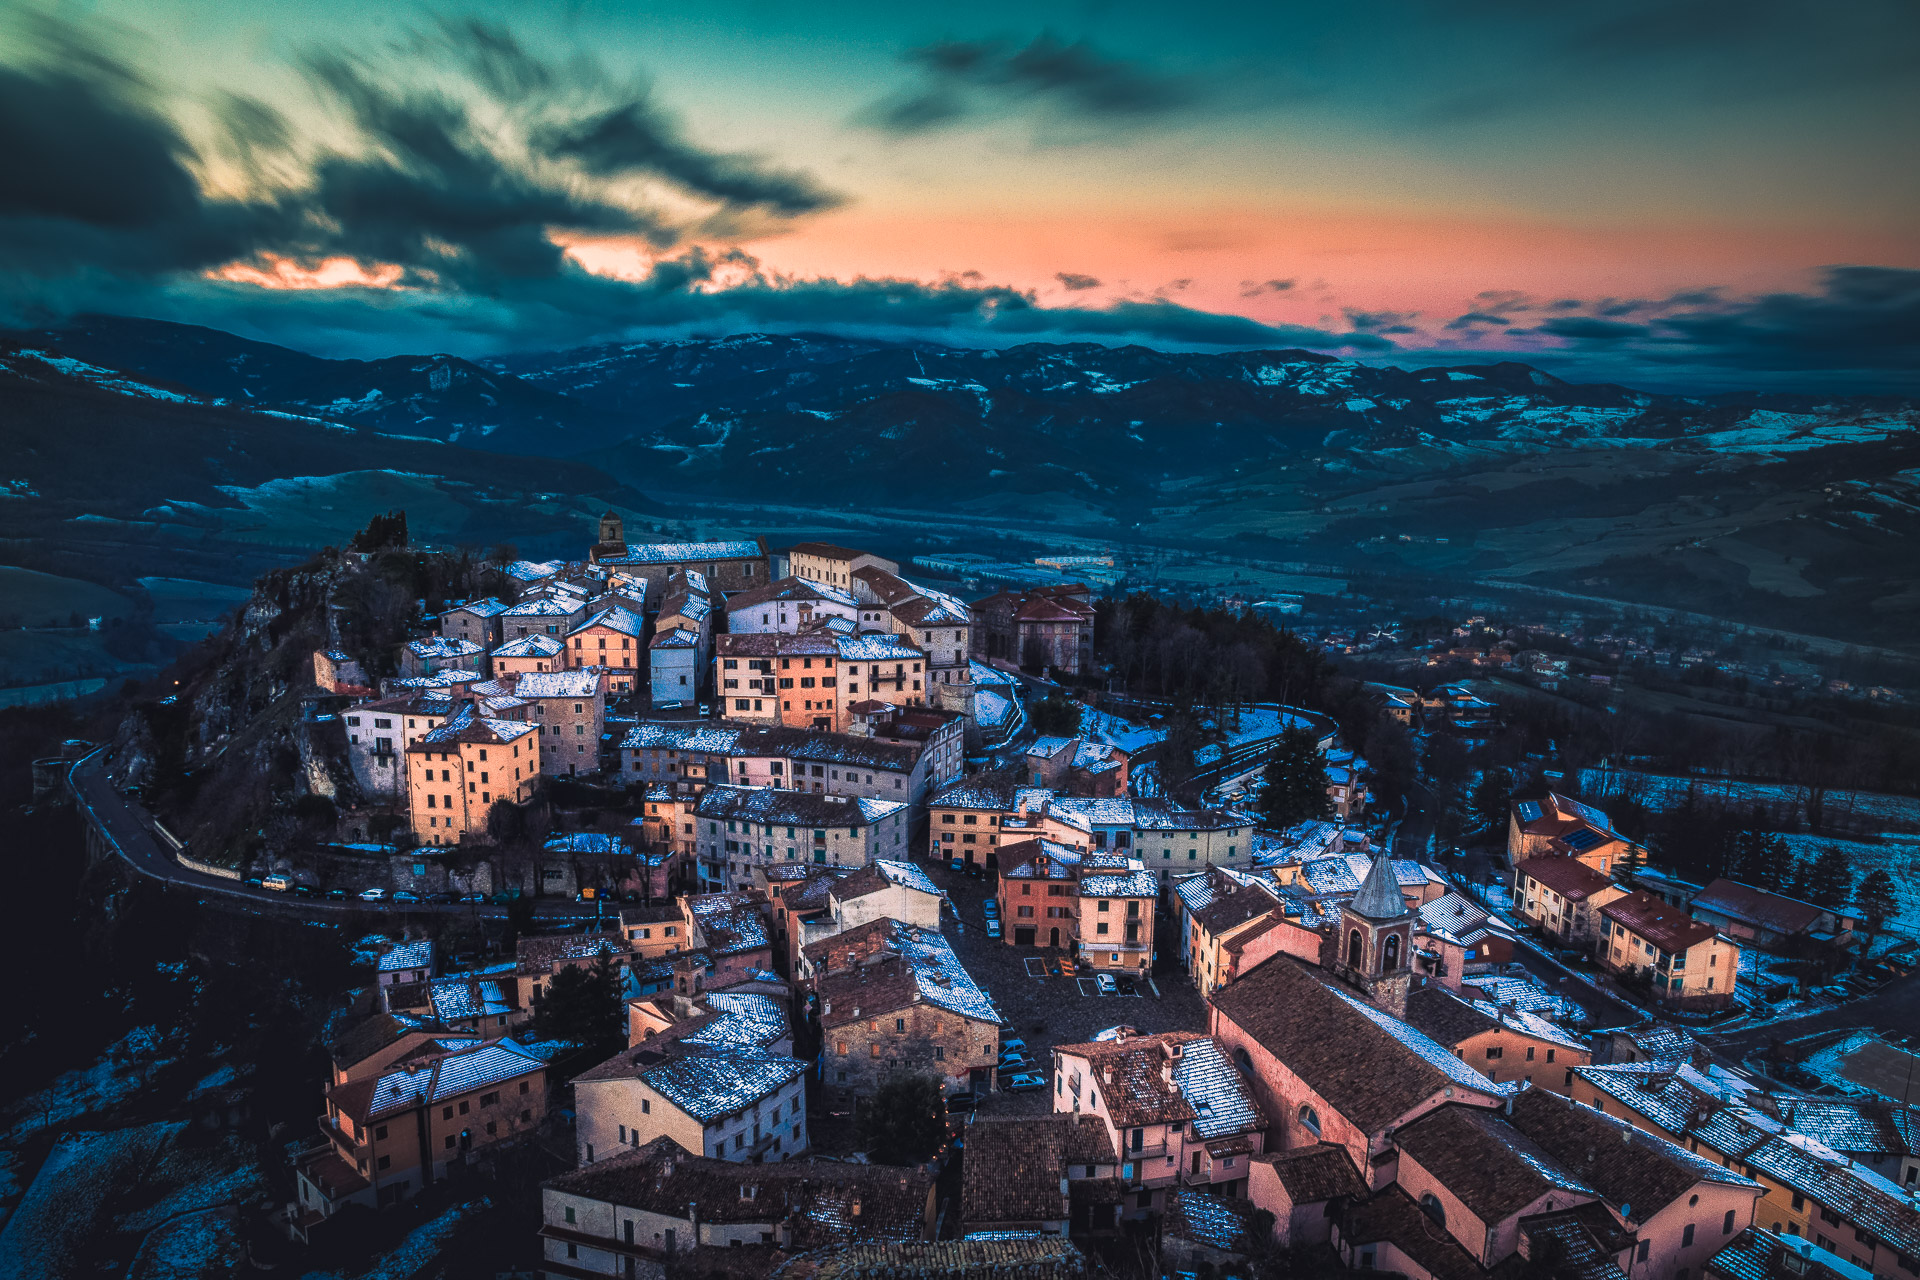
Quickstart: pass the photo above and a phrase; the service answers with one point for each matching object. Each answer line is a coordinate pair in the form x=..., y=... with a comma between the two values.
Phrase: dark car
x=404, y=895
x=336, y=893
x=441, y=897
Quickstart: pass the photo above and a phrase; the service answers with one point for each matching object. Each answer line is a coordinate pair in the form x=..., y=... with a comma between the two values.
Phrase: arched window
x=1242, y=1060
x=1310, y=1119
x=1431, y=1206
x=1355, y=956
x=1390, y=954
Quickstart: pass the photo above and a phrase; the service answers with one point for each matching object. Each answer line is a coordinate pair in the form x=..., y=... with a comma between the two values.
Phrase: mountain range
x=1771, y=507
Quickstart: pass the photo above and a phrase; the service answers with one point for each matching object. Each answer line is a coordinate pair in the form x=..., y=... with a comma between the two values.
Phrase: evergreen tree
x=1773, y=862
x=906, y=1120
x=1491, y=803
x=1876, y=900
x=1296, y=782
x=582, y=1005
x=1831, y=880
x=1055, y=716
x=382, y=532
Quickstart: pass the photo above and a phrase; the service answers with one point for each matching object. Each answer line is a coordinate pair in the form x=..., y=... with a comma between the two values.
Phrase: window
x=1640, y=1254
x=1686, y=1236
x=1310, y=1120
x=1726, y=1224
x=1431, y=1206
x=570, y=1213
x=380, y=1132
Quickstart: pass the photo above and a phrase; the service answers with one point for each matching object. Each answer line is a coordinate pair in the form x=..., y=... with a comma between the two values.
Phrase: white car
x=373, y=895
x=1107, y=985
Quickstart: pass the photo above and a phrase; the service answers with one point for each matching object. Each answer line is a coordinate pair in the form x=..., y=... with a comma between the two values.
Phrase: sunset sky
x=1690, y=193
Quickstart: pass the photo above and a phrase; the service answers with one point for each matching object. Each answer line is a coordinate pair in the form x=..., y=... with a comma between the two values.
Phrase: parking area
x=1046, y=1007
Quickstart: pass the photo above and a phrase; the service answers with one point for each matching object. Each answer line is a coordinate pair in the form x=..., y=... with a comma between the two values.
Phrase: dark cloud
x=633, y=138
x=97, y=178
x=1381, y=321
x=962, y=78
x=1589, y=329
x=1254, y=288
x=1472, y=318
x=1862, y=318
x=1074, y=282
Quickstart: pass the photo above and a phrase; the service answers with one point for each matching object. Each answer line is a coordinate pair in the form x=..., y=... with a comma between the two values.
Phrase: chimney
x=1023, y=808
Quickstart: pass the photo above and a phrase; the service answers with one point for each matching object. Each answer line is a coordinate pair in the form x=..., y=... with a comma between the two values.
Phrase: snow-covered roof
x=614, y=618
x=408, y=955
x=711, y=1085
x=543, y=607
x=433, y=647
x=905, y=874
x=535, y=644
x=582, y=683
x=877, y=646
x=680, y=552
x=1136, y=883
x=746, y=1018
x=462, y=1071
x=488, y=608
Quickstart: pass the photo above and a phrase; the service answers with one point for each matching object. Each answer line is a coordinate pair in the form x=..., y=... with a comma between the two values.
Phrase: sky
x=1681, y=194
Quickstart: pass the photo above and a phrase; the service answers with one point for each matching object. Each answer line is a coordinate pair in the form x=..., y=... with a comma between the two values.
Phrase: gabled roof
x=1014, y=1166
x=446, y=1076
x=822, y=1202
x=1668, y=927
x=1371, y=1067
x=1174, y=1077
x=535, y=644
x=793, y=589
x=1761, y=908
x=706, y=1081
x=1318, y=1173
x=615, y=618
x=885, y=965
x=1629, y=1167
x=680, y=552
x=1571, y=878
x=1493, y=1168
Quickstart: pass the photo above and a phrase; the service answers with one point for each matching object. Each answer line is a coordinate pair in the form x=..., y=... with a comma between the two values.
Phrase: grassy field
x=38, y=599
x=47, y=657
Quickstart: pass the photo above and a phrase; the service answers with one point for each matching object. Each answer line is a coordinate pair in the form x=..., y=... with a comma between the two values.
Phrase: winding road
x=128, y=829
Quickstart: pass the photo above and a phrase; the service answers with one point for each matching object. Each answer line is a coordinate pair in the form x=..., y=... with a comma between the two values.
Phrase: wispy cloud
x=960, y=79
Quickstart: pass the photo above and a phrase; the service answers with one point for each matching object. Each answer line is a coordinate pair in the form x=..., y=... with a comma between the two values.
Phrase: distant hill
x=1794, y=511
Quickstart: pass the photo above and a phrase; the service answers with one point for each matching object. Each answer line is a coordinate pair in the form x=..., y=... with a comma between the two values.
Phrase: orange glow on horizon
x=281, y=272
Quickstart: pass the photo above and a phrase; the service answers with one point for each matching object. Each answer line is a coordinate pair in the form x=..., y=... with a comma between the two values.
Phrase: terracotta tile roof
x=1372, y=1068
x=1743, y=902
x=1625, y=1165
x=1569, y=877
x=1493, y=1168
x=1391, y=1217
x=538, y=956
x=1317, y=1173
x=822, y=1202
x=1014, y=1167
x=1668, y=927
x=1027, y=1257
x=1175, y=1077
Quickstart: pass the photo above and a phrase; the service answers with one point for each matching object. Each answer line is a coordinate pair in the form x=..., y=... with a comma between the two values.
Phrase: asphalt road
x=1606, y=1009
x=1893, y=1010
x=129, y=829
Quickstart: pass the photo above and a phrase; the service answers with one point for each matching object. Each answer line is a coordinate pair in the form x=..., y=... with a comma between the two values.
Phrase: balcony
x=1189, y=1178
x=338, y=1140
x=1150, y=1151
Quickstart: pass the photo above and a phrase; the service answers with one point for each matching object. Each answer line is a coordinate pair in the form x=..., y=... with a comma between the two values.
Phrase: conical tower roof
x=1379, y=897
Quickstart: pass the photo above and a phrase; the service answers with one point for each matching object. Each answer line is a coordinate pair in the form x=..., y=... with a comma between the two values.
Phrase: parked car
x=958, y=865
x=961, y=1102
x=304, y=890
x=475, y=898
x=279, y=884
x=1024, y=1082
x=993, y=927
x=373, y=895
x=1014, y=1046
x=442, y=897
x=1106, y=984
x=336, y=893
x=406, y=896
x=991, y=908
x=255, y=882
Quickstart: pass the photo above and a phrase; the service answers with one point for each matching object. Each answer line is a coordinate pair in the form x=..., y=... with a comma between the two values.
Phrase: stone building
x=1039, y=627
x=894, y=999
x=456, y=772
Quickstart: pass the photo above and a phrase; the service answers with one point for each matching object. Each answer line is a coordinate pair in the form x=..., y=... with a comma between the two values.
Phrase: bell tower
x=1376, y=939
x=612, y=540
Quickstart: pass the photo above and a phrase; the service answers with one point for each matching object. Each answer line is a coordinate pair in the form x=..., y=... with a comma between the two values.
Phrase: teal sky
x=1364, y=175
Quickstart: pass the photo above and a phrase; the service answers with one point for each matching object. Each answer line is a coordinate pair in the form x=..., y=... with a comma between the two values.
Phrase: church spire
x=1379, y=897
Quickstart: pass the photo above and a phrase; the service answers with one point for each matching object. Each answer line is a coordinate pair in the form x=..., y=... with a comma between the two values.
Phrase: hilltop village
x=824, y=959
